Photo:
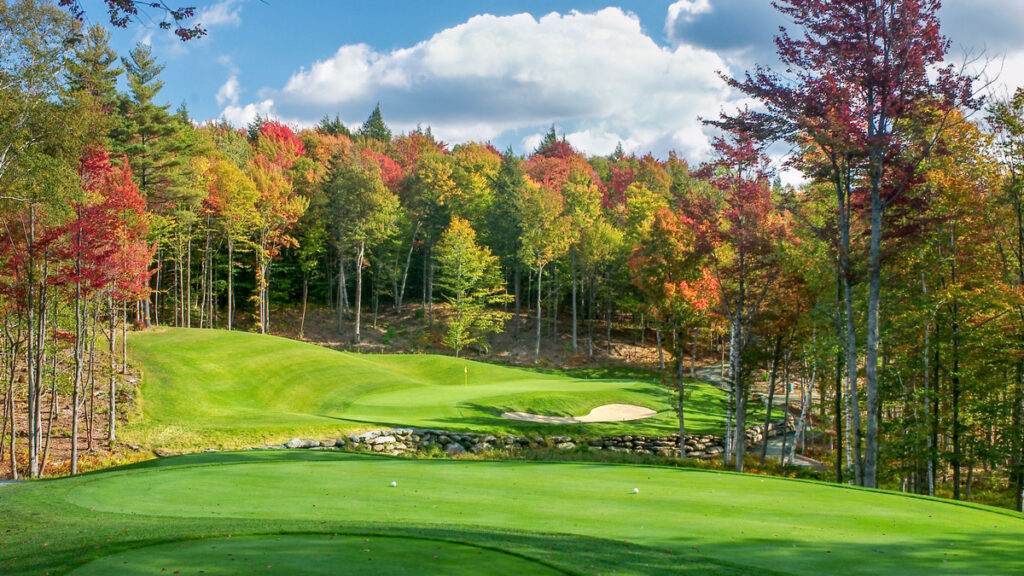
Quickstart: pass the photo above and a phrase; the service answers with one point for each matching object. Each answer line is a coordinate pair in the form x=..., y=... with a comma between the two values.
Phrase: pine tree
x=374, y=128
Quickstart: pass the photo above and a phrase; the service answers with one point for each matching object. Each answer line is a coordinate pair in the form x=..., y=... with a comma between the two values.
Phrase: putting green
x=315, y=555
x=205, y=388
x=761, y=523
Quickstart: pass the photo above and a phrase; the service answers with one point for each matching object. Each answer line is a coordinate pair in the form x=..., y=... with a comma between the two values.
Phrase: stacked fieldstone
x=411, y=440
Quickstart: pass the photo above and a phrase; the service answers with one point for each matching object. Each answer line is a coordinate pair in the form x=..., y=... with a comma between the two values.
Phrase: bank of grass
x=202, y=512
x=210, y=388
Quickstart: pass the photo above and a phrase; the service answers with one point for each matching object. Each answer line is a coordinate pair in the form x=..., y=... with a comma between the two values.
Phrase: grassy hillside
x=232, y=389
x=202, y=512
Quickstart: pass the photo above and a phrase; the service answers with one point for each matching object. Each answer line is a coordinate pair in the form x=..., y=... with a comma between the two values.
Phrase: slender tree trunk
x=359, y=291
x=739, y=387
x=408, y=263
x=776, y=356
x=112, y=382
x=92, y=376
x=341, y=288
x=516, y=275
x=871, y=347
x=30, y=348
x=1017, y=460
x=553, y=294
x=575, y=322
x=608, y=325
x=430, y=288
x=681, y=389
x=805, y=402
x=929, y=448
x=12, y=455
x=954, y=383
x=693, y=353
x=536, y=351
x=50, y=418
x=305, y=298
x=188, y=279
x=231, y=282
x=80, y=339
x=156, y=293
x=661, y=351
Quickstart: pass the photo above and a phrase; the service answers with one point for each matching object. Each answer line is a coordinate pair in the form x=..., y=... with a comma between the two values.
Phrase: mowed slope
x=218, y=388
x=577, y=518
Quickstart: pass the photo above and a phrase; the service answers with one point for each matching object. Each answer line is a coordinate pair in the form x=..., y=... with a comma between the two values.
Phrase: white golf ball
x=393, y=484
x=636, y=490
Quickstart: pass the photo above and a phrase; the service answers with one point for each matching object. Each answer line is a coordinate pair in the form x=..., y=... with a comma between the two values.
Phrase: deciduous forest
x=885, y=292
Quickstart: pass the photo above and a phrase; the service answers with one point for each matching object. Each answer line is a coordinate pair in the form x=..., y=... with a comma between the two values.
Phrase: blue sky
x=639, y=73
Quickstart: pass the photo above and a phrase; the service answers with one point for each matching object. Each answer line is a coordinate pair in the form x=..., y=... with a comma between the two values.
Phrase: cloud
x=688, y=10
x=228, y=92
x=223, y=13
x=598, y=76
x=740, y=30
x=241, y=116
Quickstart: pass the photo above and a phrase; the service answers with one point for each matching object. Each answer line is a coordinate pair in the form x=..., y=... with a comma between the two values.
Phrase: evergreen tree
x=374, y=128
x=333, y=127
x=146, y=129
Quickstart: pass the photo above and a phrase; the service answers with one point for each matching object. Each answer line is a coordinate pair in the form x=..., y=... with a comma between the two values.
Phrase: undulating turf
x=576, y=518
x=209, y=388
x=319, y=554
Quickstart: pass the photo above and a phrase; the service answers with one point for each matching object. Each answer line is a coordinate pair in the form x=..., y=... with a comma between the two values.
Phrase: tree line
x=885, y=292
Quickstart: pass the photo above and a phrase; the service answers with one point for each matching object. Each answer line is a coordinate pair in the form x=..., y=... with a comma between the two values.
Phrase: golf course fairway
x=213, y=388
x=280, y=510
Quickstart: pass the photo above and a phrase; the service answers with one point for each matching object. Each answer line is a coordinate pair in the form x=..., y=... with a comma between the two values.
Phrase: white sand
x=606, y=413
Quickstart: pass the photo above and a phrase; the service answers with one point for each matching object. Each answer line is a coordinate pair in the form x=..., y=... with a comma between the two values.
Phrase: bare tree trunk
x=785, y=421
x=681, y=388
x=188, y=279
x=608, y=326
x=430, y=288
x=156, y=293
x=536, y=351
x=231, y=282
x=575, y=322
x=52, y=415
x=661, y=351
x=405, y=275
x=112, y=383
x=517, y=322
x=693, y=353
x=92, y=376
x=359, y=290
x=13, y=442
x=739, y=387
x=776, y=356
x=805, y=401
x=342, y=297
x=871, y=347
x=305, y=298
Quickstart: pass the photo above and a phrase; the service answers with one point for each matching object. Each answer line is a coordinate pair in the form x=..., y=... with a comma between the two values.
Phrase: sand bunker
x=606, y=413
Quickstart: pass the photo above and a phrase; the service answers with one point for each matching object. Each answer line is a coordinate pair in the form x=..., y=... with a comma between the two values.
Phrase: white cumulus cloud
x=242, y=115
x=688, y=9
x=598, y=76
x=223, y=13
x=228, y=92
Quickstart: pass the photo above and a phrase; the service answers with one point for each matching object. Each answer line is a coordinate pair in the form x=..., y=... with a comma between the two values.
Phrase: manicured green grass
x=209, y=388
x=316, y=554
x=578, y=518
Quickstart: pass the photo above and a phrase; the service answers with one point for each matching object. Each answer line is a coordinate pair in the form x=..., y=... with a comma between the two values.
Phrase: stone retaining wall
x=411, y=440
